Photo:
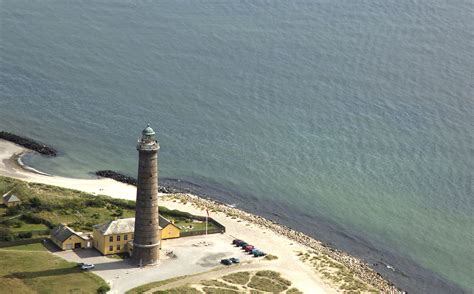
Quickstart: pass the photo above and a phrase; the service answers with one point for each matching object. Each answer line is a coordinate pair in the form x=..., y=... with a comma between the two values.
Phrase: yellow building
x=66, y=238
x=114, y=236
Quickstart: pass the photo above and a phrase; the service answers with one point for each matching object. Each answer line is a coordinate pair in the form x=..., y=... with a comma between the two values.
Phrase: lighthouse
x=146, y=242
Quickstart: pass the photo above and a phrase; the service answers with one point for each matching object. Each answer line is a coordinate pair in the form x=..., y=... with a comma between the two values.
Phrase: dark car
x=244, y=244
x=249, y=248
x=226, y=261
x=239, y=243
x=235, y=241
x=259, y=253
x=234, y=259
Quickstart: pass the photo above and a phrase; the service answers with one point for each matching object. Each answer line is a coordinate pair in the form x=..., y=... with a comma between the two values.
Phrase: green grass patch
x=191, y=226
x=27, y=247
x=29, y=228
x=42, y=272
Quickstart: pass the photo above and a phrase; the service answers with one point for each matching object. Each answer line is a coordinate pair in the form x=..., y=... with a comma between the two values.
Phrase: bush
x=35, y=202
x=13, y=210
x=34, y=219
x=5, y=234
x=118, y=212
x=95, y=201
x=103, y=289
x=25, y=235
x=12, y=223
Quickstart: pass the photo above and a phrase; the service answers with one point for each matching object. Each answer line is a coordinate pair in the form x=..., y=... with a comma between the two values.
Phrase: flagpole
x=207, y=216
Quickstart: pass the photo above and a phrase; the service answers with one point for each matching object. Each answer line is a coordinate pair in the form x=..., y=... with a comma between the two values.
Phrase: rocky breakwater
x=29, y=143
x=358, y=267
x=129, y=180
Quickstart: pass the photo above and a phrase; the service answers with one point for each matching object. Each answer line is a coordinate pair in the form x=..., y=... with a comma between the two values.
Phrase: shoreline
x=18, y=159
x=236, y=215
x=360, y=268
x=378, y=263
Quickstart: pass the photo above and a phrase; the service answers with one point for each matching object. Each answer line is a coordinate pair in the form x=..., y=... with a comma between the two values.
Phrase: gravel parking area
x=192, y=256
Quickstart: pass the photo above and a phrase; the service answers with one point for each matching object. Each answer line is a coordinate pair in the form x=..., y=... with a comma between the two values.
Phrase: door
x=77, y=245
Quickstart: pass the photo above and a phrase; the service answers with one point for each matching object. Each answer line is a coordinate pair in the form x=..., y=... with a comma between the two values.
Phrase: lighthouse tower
x=146, y=242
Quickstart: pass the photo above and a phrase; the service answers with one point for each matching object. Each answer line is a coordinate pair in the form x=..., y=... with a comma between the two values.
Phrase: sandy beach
x=285, y=243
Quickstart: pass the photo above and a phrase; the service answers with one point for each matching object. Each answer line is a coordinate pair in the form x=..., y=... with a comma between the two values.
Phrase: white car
x=87, y=266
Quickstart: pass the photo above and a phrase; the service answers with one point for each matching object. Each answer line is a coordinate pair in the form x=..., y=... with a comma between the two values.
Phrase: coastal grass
x=212, y=290
x=44, y=206
x=220, y=284
x=240, y=278
x=180, y=290
x=336, y=272
x=153, y=285
x=259, y=282
x=270, y=257
x=32, y=269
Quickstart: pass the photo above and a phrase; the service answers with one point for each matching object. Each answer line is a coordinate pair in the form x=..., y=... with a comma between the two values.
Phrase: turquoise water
x=354, y=114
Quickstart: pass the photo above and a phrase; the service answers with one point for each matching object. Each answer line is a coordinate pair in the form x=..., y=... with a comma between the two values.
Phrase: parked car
x=249, y=248
x=234, y=260
x=242, y=245
x=87, y=266
x=235, y=241
x=226, y=261
x=259, y=253
x=239, y=243
x=254, y=250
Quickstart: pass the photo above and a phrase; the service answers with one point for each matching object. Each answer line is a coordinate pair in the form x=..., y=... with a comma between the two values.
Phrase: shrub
x=34, y=219
x=103, y=289
x=5, y=234
x=25, y=235
x=13, y=210
x=271, y=257
x=35, y=202
x=12, y=223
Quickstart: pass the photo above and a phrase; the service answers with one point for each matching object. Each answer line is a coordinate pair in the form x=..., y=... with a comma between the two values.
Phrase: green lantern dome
x=148, y=131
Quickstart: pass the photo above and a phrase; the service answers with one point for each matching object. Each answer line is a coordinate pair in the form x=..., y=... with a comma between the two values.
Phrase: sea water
x=349, y=120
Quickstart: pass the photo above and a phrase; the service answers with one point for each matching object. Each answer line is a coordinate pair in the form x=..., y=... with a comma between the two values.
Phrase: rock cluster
x=129, y=180
x=28, y=143
x=117, y=176
x=357, y=266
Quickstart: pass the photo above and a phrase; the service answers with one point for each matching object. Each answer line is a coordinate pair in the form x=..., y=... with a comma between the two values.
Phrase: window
x=111, y=248
x=125, y=237
x=118, y=238
x=111, y=238
x=118, y=247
